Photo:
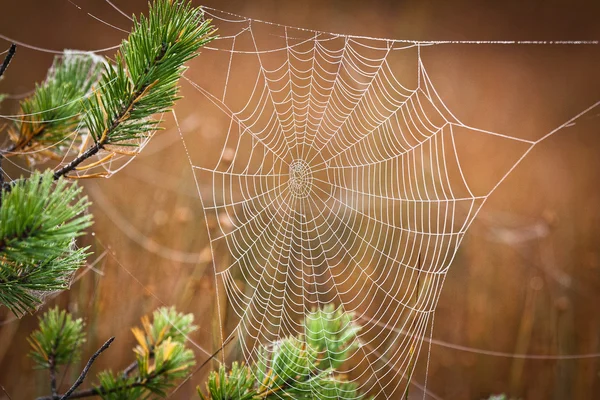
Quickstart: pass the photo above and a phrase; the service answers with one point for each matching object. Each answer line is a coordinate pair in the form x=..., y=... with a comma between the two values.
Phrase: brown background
x=505, y=292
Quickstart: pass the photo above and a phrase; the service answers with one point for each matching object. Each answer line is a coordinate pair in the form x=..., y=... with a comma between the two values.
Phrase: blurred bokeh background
x=527, y=276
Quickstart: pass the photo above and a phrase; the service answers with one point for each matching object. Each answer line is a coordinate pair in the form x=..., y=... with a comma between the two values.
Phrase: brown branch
x=118, y=119
x=87, y=154
x=3, y=67
x=79, y=380
x=6, y=393
x=8, y=58
x=130, y=368
x=52, y=367
x=99, y=390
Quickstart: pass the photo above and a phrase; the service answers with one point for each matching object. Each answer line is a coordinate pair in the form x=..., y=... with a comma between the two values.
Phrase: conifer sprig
x=143, y=80
x=39, y=220
x=7, y=59
x=162, y=356
x=301, y=367
x=114, y=108
x=58, y=339
x=54, y=111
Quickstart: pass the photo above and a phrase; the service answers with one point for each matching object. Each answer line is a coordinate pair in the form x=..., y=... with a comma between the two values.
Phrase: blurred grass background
x=527, y=277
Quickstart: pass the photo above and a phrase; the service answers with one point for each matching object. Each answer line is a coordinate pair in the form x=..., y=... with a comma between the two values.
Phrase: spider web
x=340, y=181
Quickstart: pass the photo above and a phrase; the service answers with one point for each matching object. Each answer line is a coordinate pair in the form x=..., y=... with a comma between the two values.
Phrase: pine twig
x=52, y=369
x=99, y=390
x=130, y=368
x=79, y=380
x=6, y=393
x=3, y=67
x=120, y=118
x=8, y=58
x=52, y=362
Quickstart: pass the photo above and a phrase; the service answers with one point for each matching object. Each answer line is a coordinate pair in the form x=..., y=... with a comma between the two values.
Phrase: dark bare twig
x=6, y=393
x=99, y=390
x=130, y=368
x=3, y=67
x=117, y=120
x=71, y=356
x=52, y=368
x=8, y=58
x=79, y=380
x=52, y=362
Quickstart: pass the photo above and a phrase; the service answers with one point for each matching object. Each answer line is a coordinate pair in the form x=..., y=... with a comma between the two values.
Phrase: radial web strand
x=339, y=181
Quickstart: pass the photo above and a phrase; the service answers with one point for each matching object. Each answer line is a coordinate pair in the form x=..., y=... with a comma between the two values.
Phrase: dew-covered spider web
x=342, y=178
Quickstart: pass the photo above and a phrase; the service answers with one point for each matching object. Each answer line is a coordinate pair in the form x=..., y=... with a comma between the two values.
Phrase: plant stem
x=118, y=119
x=3, y=67
x=130, y=368
x=79, y=380
x=73, y=164
x=52, y=368
x=8, y=58
x=99, y=390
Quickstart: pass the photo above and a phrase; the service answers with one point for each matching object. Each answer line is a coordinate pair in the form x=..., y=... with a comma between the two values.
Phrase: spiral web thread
x=339, y=181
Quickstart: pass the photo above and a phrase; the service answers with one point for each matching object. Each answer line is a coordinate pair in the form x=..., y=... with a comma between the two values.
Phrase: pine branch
x=299, y=367
x=143, y=81
x=9, y=56
x=51, y=115
x=156, y=370
x=39, y=220
x=117, y=112
x=52, y=358
x=87, y=367
x=57, y=341
x=167, y=323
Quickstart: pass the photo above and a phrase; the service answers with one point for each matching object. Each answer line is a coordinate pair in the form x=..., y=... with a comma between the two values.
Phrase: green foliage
x=156, y=374
x=161, y=355
x=58, y=339
x=39, y=220
x=41, y=216
x=54, y=111
x=332, y=333
x=300, y=367
x=167, y=323
x=238, y=383
x=161, y=358
x=143, y=80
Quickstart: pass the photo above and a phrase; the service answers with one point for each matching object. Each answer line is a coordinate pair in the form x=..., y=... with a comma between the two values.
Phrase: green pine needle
x=143, y=80
x=333, y=333
x=39, y=220
x=162, y=358
x=54, y=111
x=301, y=367
x=58, y=339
